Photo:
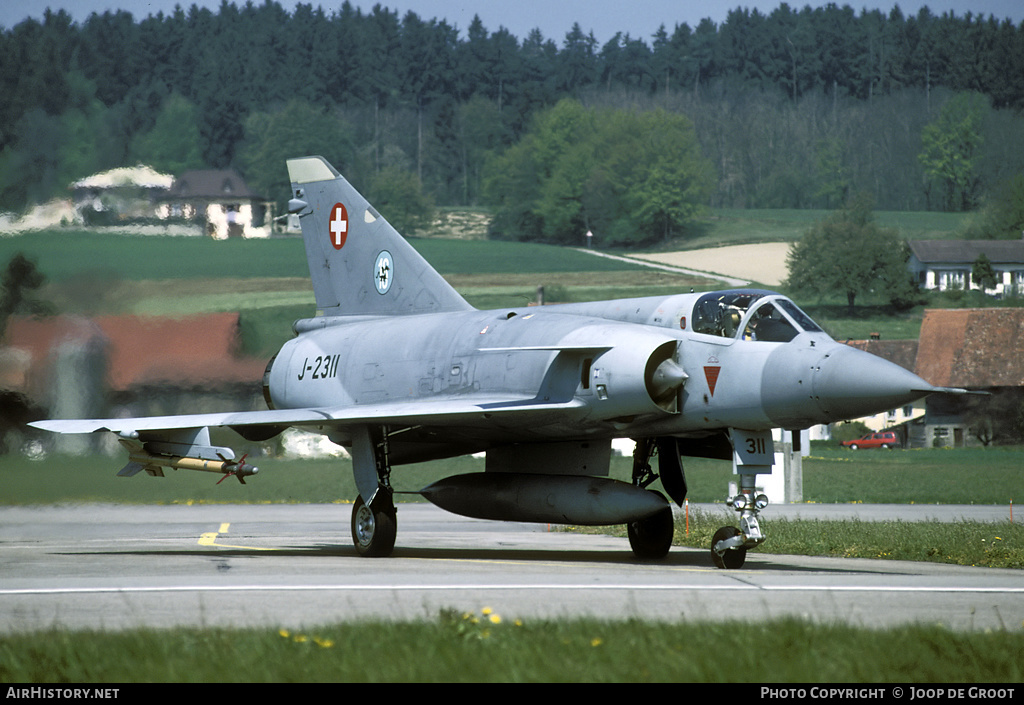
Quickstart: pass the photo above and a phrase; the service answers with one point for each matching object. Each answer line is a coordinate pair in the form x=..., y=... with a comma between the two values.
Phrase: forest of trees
x=795, y=108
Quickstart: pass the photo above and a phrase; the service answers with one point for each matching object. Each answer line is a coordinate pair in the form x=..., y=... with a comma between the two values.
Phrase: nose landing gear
x=729, y=545
x=753, y=454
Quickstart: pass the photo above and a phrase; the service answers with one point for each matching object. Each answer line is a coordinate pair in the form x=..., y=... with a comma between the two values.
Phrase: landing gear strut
x=374, y=520
x=753, y=453
x=729, y=545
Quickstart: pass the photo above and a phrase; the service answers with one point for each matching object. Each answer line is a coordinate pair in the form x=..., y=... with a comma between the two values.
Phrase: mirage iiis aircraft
x=400, y=369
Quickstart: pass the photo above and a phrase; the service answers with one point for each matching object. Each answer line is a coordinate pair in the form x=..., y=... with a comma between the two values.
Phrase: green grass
x=830, y=475
x=990, y=545
x=925, y=476
x=62, y=255
x=476, y=647
x=93, y=478
x=500, y=257
x=737, y=226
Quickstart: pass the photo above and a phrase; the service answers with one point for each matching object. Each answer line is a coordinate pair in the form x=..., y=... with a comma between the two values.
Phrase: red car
x=886, y=439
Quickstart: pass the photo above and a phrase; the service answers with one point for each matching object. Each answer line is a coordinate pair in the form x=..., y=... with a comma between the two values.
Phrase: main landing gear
x=374, y=522
x=374, y=528
x=651, y=537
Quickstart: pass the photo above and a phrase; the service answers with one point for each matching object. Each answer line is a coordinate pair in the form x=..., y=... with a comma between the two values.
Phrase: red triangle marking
x=711, y=375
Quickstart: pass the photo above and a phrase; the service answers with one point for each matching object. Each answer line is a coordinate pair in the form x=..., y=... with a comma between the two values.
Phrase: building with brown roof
x=76, y=367
x=980, y=349
x=977, y=348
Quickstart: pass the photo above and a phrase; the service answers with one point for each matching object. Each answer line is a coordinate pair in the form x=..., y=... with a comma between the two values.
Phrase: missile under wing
x=398, y=367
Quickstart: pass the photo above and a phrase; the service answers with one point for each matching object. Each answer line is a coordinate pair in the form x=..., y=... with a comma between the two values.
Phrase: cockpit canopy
x=751, y=314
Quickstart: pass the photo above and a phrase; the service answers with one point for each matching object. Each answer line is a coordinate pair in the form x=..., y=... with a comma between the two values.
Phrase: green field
x=267, y=281
x=481, y=646
x=63, y=255
x=737, y=226
x=830, y=475
x=99, y=272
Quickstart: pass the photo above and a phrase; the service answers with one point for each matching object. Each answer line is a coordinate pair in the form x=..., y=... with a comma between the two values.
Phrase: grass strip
x=483, y=646
x=991, y=545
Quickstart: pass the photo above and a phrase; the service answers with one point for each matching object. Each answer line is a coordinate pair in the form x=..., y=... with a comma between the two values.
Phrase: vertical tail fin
x=359, y=264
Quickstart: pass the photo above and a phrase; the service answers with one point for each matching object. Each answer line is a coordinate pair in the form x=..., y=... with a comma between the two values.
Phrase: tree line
x=795, y=108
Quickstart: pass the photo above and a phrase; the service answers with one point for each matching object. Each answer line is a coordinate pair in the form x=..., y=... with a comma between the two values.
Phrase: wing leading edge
x=432, y=412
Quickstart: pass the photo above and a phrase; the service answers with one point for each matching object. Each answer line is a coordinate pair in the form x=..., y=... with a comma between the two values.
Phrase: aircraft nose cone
x=848, y=383
x=804, y=386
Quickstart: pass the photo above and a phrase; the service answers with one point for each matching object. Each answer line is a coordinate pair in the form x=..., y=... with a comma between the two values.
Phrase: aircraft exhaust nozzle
x=558, y=499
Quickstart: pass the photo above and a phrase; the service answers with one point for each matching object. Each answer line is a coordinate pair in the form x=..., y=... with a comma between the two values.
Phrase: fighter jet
x=399, y=368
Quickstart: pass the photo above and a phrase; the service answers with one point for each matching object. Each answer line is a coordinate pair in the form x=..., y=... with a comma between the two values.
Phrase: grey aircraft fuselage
x=400, y=368
x=590, y=357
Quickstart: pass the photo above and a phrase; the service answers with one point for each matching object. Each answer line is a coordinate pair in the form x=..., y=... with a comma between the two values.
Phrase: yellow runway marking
x=210, y=539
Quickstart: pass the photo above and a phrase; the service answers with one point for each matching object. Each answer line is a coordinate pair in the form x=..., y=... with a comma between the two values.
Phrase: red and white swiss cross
x=338, y=225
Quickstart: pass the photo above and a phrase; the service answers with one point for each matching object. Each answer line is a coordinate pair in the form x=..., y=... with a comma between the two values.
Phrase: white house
x=947, y=264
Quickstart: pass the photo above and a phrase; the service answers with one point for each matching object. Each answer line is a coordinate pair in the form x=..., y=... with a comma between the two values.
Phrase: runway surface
x=113, y=567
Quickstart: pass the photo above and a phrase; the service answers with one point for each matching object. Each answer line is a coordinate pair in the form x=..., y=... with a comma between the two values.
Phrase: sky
x=638, y=18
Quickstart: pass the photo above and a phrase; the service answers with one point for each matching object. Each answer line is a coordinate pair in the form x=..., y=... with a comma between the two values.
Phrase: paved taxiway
x=107, y=566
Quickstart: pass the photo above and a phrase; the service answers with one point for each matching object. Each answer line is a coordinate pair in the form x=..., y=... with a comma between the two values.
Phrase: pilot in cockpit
x=768, y=325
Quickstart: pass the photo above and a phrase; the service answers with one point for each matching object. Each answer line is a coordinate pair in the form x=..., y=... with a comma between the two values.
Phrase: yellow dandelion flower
x=486, y=611
x=323, y=643
x=518, y=623
x=301, y=639
x=284, y=633
x=495, y=619
x=596, y=641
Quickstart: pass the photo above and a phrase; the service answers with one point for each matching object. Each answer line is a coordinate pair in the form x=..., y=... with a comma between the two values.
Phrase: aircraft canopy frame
x=750, y=314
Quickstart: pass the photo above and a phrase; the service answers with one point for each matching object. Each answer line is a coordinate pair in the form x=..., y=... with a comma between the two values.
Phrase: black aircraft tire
x=374, y=530
x=651, y=538
x=734, y=557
